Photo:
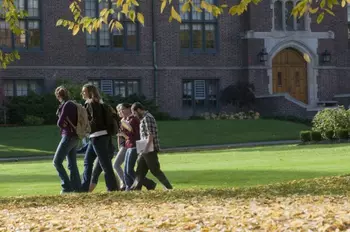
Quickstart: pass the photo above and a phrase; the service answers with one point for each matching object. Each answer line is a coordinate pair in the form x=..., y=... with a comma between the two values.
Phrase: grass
x=223, y=169
x=33, y=141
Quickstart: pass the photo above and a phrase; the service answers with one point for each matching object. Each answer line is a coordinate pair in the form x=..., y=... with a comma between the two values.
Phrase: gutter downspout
x=154, y=60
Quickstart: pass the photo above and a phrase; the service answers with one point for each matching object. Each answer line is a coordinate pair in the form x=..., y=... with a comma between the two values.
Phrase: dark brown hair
x=136, y=106
x=62, y=92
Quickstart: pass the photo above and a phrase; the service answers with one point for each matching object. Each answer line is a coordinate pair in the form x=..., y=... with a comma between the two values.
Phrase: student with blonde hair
x=67, y=111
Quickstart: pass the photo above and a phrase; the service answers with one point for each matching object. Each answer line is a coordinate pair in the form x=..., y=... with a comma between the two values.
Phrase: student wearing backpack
x=100, y=136
x=67, y=111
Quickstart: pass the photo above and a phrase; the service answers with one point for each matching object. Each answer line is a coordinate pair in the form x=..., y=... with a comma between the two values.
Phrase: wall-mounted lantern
x=326, y=56
x=262, y=55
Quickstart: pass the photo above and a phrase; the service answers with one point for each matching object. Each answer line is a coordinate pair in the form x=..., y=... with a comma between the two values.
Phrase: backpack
x=111, y=119
x=83, y=125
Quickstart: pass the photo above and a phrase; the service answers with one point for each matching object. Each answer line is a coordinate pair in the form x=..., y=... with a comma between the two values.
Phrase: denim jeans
x=99, y=147
x=67, y=148
x=118, y=165
x=129, y=171
x=97, y=170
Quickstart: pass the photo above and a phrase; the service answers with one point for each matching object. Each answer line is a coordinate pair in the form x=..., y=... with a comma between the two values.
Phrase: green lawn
x=31, y=141
x=210, y=169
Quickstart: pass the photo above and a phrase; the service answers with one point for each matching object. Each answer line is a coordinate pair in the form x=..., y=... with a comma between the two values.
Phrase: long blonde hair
x=93, y=93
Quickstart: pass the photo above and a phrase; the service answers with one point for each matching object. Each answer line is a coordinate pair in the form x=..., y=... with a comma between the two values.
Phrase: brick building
x=184, y=66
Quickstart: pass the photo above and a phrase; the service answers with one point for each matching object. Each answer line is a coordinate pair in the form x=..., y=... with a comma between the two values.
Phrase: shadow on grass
x=188, y=179
x=14, y=152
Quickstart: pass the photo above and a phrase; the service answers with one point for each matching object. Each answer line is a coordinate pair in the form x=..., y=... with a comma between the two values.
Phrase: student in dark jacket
x=99, y=140
x=67, y=111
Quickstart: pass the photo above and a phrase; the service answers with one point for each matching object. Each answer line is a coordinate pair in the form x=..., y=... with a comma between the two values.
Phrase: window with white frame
x=198, y=30
x=283, y=20
x=126, y=39
x=200, y=93
x=31, y=24
x=20, y=87
x=122, y=88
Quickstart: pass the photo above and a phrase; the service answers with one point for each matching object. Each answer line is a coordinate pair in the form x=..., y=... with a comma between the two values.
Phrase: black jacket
x=96, y=116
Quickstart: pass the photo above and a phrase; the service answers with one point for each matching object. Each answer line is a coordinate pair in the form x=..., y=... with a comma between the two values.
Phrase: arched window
x=283, y=19
x=289, y=18
x=278, y=16
x=300, y=22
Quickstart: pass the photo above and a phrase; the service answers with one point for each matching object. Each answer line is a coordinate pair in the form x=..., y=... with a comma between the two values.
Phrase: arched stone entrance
x=289, y=74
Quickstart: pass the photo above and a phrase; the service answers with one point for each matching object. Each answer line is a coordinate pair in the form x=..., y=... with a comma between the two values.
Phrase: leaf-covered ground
x=307, y=205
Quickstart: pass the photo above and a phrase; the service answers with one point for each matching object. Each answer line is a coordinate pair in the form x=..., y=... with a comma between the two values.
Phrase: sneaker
x=153, y=187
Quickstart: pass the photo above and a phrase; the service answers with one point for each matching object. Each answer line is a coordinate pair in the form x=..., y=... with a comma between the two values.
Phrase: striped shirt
x=148, y=126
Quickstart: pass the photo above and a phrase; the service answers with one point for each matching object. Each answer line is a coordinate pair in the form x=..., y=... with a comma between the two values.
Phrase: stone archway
x=289, y=74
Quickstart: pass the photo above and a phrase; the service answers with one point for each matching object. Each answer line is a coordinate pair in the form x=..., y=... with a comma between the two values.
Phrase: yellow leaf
x=135, y=3
x=119, y=3
x=103, y=12
x=118, y=25
x=71, y=25
x=132, y=15
x=185, y=7
x=96, y=24
x=175, y=15
x=320, y=18
x=59, y=22
x=313, y=11
x=76, y=29
x=170, y=19
x=140, y=18
x=343, y=3
x=125, y=8
x=163, y=6
x=307, y=58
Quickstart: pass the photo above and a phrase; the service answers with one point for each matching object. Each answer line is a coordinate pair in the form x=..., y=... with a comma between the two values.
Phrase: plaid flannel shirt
x=148, y=126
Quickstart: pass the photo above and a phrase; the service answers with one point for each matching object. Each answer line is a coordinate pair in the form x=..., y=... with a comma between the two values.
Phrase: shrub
x=316, y=136
x=42, y=106
x=331, y=119
x=231, y=116
x=329, y=134
x=240, y=95
x=31, y=120
x=305, y=136
x=342, y=134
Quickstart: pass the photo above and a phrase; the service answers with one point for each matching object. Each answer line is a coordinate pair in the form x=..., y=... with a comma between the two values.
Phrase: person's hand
x=64, y=124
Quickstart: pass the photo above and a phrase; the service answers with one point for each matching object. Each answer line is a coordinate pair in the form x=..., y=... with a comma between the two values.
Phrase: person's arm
x=150, y=127
x=68, y=107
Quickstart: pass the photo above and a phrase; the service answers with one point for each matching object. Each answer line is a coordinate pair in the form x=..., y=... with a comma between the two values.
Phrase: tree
x=81, y=22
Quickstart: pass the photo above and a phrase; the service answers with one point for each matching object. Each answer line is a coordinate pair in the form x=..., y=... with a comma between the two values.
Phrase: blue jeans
x=84, y=146
x=129, y=171
x=99, y=147
x=67, y=148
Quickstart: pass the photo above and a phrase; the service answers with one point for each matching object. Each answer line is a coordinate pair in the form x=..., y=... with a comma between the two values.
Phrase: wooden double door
x=289, y=74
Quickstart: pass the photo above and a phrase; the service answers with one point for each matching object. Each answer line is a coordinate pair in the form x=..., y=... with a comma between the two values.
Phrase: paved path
x=175, y=149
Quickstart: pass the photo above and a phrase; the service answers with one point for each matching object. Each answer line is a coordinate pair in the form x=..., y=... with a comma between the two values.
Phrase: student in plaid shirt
x=148, y=160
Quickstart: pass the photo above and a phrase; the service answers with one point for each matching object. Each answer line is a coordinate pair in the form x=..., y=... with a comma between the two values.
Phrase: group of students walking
x=136, y=124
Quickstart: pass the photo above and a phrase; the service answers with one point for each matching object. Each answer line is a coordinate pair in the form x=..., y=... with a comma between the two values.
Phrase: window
x=122, y=88
x=200, y=93
x=21, y=87
x=31, y=39
x=283, y=18
x=198, y=31
x=126, y=39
